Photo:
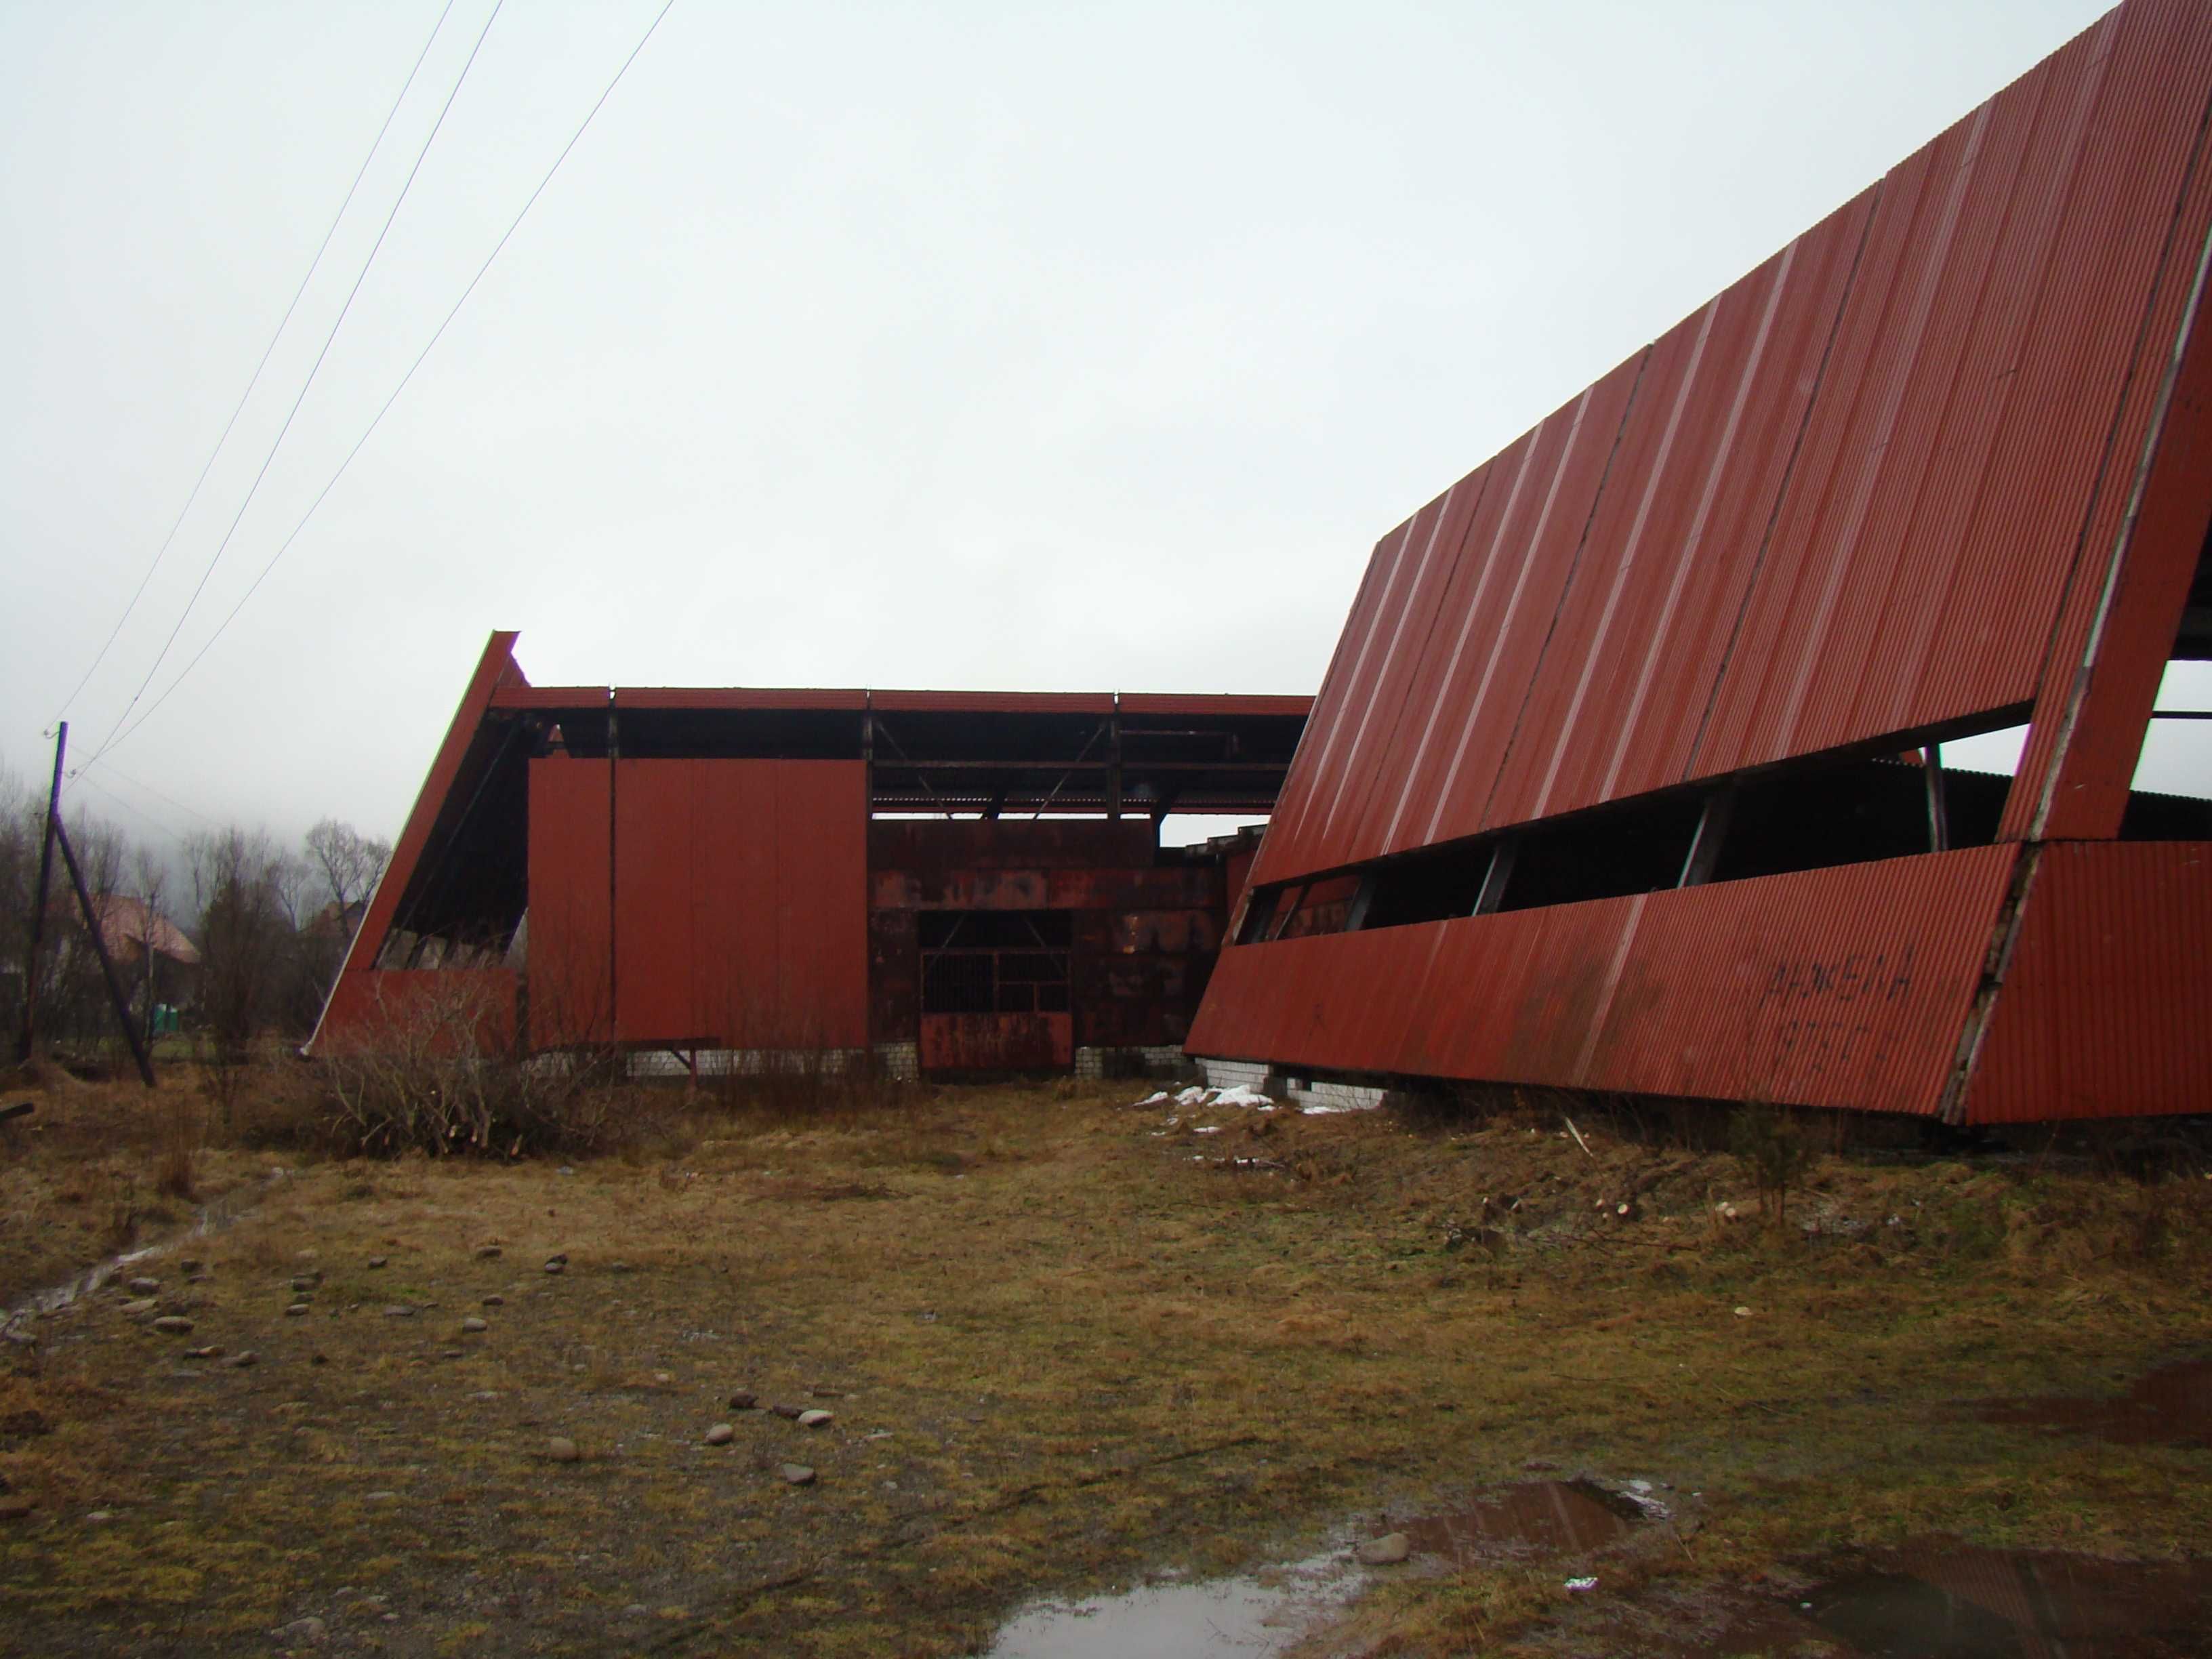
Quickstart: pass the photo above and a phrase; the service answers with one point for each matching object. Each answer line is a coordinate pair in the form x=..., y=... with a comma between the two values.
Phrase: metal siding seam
x=1474, y=706
x=1409, y=677
x=1940, y=513
x=1482, y=819
x=1813, y=640
x=1624, y=560
x=1311, y=779
x=1329, y=832
x=1723, y=453
x=1416, y=769
x=1751, y=587
x=1604, y=1009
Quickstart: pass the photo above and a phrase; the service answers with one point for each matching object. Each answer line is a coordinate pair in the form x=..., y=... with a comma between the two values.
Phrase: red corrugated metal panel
x=1520, y=522
x=741, y=903
x=1977, y=328
x=2121, y=620
x=1644, y=631
x=737, y=696
x=656, y=889
x=1958, y=447
x=822, y=921
x=570, y=961
x=986, y=702
x=495, y=669
x=2103, y=1011
x=1832, y=987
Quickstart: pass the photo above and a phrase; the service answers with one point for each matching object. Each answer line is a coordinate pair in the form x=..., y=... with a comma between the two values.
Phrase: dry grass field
x=1067, y=1342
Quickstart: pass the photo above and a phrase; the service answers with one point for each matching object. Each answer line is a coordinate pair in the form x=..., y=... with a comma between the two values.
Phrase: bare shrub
x=433, y=1070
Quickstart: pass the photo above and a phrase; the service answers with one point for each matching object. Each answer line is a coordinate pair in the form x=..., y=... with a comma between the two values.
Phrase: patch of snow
x=1157, y=1097
x=1240, y=1096
x=1192, y=1096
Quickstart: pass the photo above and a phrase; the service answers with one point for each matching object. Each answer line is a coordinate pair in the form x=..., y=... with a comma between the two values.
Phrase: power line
x=285, y=546
x=267, y=351
x=139, y=812
x=268, y=459
x=124, y=777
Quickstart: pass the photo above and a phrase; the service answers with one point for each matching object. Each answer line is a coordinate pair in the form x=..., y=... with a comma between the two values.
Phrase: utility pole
x=115, y=995
x=29, y=1036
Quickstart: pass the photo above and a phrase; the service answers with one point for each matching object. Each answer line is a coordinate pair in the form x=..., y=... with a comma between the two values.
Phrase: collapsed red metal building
x=727, y=877
x=1627, y=772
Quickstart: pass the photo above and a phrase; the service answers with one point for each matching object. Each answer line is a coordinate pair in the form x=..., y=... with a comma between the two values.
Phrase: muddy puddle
x=1252, y=1614
x=2170, y=1406
x=1267, y=1613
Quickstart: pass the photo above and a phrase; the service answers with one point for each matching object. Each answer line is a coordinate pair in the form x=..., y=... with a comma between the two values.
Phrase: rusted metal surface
x=1832, y=987
x=2103, y=1011
x=1942, y=465
x=495, y=668
x=997, y=1042
x=1850, y=498
x=1143, y=933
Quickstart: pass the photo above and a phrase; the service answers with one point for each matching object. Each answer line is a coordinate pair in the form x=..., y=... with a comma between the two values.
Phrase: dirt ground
x=1067, y=1342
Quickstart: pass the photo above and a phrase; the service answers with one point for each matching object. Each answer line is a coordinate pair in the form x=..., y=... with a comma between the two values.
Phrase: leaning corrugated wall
x=1936, y=465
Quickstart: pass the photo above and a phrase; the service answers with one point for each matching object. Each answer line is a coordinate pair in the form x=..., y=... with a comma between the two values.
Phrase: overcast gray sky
x=965, y=344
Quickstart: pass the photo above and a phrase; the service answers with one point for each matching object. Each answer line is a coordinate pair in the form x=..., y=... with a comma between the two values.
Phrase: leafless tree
x=239, y=883
x=348, y=862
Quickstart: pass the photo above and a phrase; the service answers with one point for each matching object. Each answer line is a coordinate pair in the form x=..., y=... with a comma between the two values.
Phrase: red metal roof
x=1847, y=498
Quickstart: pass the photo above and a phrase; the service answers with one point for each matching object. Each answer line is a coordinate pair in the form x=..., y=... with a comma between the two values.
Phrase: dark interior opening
x=1811, y=818
x=995, y=962
x=1638, y=848
x=1428, y=886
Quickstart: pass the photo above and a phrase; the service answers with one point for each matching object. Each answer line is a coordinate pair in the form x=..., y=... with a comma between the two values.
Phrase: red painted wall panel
x=741, y=903
x=2103, y=1011
x=822, y=923
x=571, y=986
x=1833, y=988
